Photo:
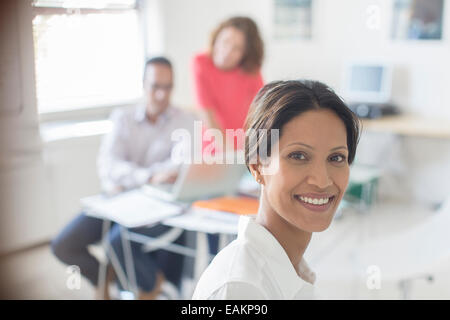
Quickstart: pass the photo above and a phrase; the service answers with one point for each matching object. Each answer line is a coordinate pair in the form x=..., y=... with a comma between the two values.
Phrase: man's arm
x=116, y=172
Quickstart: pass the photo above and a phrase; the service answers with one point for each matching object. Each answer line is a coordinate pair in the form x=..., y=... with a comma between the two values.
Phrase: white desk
x=202, y=221
x=410, y=125
x=130, y=209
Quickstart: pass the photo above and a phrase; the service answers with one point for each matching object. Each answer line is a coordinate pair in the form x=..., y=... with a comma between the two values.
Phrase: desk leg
x=202, y=255
x=110, y=256
x=129, y=263
x=104, y=264
x=223, y=241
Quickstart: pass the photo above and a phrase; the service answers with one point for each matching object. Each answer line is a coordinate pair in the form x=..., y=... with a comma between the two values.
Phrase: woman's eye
x=337, y=158
x=297, y=156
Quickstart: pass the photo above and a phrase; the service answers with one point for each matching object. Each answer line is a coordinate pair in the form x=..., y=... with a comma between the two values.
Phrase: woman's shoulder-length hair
x=254, y=51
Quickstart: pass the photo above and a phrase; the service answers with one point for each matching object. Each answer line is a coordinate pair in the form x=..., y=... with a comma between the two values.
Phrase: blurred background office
x=65, y=65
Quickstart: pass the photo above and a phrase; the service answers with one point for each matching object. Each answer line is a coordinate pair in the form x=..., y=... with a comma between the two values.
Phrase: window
x=87, y=54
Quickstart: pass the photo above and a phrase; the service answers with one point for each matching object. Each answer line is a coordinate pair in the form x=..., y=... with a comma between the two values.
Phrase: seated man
x=137, y=151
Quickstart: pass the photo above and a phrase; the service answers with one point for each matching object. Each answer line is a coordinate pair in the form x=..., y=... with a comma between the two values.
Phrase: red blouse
x=228, y=93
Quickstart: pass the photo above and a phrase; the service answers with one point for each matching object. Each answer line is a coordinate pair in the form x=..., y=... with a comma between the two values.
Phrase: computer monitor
x=367, y=82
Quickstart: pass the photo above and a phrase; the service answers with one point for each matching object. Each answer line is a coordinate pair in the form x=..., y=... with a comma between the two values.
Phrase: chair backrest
x=414, y=251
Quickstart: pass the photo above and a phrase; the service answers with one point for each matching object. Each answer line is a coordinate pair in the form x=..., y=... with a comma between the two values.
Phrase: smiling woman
x=318, y=135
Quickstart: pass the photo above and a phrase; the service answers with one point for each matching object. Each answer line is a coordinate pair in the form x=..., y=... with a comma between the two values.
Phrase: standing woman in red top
x=228, y=76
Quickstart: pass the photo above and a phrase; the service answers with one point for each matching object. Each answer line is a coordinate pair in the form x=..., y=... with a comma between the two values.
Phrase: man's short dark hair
x=157, y=60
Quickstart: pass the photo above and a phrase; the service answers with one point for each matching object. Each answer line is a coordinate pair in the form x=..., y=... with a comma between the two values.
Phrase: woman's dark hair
x=279, y=102
x=254, y=51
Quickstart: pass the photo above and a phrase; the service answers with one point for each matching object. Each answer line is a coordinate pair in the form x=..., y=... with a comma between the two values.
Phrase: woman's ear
x=256, y=173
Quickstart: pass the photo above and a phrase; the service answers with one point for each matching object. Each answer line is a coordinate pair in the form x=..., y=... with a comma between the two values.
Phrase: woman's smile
x=315, y=202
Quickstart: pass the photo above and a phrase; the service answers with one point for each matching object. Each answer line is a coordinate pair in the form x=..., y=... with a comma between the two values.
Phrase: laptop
x=199, y=181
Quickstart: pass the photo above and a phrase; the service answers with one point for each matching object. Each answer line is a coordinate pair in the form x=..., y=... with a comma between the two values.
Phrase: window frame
x=97, y=111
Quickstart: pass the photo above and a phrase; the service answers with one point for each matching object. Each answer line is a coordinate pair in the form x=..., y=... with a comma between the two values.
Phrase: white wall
x=340, y=32
x=71, y=171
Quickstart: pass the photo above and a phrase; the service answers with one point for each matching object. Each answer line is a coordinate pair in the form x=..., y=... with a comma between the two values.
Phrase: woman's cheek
x=274, y=190
x=341, y=179
x=345, y=177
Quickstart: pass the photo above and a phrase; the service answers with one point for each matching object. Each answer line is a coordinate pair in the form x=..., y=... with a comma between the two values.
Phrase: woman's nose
x=226, y=50
x=319, y=176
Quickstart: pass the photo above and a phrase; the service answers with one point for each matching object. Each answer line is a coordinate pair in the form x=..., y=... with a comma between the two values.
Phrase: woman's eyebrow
x=302, y=144
x=308, y=146
x=337, y=148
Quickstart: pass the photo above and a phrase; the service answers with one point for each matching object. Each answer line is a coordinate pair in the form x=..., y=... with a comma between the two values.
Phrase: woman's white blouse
x=254, y=266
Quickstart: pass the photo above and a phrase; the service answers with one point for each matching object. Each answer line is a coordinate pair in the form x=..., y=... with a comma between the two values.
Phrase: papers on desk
x=131, y=209
x=237, y=204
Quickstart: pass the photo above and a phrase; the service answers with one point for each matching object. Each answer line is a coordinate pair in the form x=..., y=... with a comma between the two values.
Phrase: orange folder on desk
x=238, y=205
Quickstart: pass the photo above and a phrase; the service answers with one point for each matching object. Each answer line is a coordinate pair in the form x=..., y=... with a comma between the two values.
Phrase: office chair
x=413, y=254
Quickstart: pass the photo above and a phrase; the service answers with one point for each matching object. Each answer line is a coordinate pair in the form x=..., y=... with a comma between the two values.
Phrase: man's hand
x=113, y=190
x=169, y=176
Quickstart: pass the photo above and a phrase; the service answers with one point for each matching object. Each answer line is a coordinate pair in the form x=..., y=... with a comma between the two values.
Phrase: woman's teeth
x=315, y=201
